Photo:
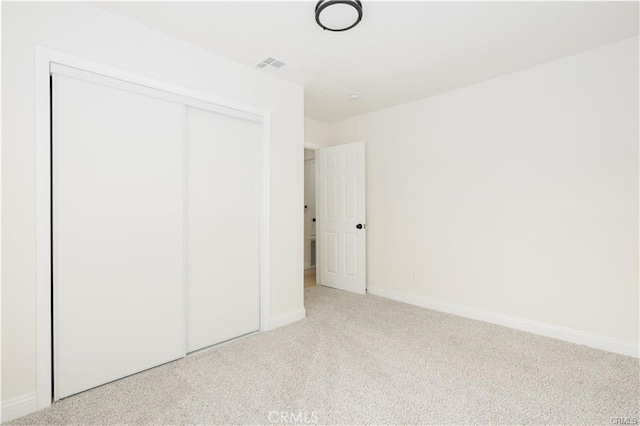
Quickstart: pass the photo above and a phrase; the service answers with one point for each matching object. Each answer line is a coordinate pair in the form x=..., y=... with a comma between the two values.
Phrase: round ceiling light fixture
x=338, y=15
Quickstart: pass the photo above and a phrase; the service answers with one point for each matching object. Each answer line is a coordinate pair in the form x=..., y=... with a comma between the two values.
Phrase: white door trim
x=44, y=57
x=312, y=145
x=315, y=146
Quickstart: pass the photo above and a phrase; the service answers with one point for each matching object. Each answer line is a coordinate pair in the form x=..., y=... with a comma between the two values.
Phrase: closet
x=155, y=227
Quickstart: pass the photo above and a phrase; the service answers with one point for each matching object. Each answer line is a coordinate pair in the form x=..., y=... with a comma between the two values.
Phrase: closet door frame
x=45, y=59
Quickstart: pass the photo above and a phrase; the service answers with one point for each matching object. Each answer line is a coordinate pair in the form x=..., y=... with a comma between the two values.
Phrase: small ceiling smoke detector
x=354, y=97
x=338, y=15
x=271, y=62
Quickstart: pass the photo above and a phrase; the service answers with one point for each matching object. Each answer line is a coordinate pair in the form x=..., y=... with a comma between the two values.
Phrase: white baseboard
x=18, y=406
x=287, y=318
x=307, y=265
x=549, y=330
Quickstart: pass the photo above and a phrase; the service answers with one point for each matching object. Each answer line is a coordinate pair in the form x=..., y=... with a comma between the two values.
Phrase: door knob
x=360, y=226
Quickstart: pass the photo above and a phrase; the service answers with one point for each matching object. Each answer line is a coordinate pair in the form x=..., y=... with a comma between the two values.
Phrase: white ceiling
x=401, y=51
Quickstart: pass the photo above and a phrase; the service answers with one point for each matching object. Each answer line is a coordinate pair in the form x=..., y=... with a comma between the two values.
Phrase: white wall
x=317, y=132
x=88, y=32
x=517, y=196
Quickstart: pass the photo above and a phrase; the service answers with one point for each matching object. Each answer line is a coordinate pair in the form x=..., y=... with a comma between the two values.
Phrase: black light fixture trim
x=323, y=4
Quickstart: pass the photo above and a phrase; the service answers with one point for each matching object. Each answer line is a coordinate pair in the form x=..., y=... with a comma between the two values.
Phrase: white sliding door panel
x=118, y=219
x=223, y=206
x=341, y=216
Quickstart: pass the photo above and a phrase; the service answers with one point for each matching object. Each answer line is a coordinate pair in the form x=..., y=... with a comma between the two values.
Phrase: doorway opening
x=309, y=235
x=335, y=217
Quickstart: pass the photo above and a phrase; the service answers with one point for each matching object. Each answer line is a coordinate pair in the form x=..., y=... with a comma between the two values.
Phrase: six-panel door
x=341, y=213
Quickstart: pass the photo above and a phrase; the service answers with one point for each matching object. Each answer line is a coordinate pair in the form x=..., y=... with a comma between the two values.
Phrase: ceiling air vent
x=271, y=62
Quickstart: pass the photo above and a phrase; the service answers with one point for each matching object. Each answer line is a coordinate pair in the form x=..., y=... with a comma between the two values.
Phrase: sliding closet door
x=118, y=240
x=223, y=204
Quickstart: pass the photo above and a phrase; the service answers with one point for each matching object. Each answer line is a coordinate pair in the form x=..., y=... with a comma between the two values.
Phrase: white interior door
x=341, y=217
x=223, y=205
x=118, y=222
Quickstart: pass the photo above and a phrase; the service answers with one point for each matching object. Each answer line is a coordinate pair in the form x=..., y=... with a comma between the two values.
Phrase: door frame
x=44, y=57
x=309, y=165
x=314, y=146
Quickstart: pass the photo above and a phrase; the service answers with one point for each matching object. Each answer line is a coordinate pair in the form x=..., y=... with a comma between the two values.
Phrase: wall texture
x=517, y=196
x=82, y=30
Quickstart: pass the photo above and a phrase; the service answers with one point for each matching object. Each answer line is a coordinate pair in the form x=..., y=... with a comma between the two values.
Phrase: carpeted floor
x=363, y=359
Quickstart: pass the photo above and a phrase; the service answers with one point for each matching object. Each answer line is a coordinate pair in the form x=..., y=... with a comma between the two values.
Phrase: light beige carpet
x=363, y=360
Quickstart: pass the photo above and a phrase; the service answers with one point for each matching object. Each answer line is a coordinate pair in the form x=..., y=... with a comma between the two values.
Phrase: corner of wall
x=287, y=318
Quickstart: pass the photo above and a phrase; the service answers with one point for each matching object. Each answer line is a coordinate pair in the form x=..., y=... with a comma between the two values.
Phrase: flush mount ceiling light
x=338, y=15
